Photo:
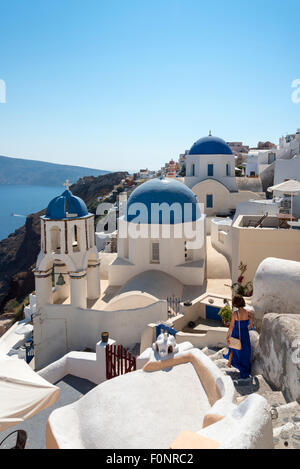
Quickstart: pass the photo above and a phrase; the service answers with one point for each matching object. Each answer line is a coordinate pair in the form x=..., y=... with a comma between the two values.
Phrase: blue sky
x=126, y=84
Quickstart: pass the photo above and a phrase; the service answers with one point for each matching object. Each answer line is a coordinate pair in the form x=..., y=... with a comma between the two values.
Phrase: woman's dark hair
x=238, y=302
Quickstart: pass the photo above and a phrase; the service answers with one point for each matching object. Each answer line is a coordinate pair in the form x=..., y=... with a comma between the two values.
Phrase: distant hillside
x=39, y=173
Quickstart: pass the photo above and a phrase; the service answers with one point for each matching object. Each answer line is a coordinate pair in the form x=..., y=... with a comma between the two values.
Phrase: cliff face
x=18, y=252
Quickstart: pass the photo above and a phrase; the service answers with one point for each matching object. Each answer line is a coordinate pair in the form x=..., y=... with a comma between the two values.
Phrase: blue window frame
x=210, y=170
x=209, y=201
x=161, y=328
x=228, y=170
x=193, y=169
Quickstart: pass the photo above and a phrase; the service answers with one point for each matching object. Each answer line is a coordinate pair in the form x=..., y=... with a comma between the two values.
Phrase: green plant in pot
x=226, y=314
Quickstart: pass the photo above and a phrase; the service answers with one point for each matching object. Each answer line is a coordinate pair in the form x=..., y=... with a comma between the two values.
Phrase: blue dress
x=241, y=358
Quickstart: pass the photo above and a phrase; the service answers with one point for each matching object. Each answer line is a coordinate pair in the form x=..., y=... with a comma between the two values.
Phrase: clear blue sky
x=126, y=84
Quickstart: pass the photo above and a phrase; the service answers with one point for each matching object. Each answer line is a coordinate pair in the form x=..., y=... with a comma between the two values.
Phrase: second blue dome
x=162, y=191
x=210, y=146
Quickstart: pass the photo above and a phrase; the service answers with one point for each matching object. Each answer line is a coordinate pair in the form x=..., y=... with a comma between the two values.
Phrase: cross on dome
x=67, y=184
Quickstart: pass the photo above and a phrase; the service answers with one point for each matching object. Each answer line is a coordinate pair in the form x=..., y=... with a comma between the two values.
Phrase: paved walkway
x=217, y=265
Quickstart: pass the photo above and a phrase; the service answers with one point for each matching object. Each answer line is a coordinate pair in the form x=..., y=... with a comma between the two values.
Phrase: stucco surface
x=217, y=264
x=277, y=287
x=155, y=283
x=276, y=353
x=159, y=406
x=247, y=426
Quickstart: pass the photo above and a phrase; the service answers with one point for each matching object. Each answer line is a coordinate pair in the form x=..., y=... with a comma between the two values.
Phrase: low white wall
x=248, y=426
x=59, y=329
x=214, y=337
x=85, y=365
x=257, y=207
x=221, y=237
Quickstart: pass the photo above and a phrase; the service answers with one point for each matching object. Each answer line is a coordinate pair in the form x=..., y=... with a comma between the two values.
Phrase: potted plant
x=105, y=336
x=226, y=314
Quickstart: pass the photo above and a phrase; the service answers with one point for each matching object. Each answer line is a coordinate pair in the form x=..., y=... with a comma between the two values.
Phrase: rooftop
x=71, y=389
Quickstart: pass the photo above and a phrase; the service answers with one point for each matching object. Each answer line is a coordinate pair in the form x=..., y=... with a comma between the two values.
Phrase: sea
x=17, y=201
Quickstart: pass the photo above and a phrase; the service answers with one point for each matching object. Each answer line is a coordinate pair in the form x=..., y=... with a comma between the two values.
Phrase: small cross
x=67, y=184
x=210, y=133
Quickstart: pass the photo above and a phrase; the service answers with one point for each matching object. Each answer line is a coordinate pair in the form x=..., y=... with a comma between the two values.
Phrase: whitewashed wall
x=59, y=329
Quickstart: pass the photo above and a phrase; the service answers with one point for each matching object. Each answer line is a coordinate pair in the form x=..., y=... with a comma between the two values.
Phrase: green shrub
x=226, y=314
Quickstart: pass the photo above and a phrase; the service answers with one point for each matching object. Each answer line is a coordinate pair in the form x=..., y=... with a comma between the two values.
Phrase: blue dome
x=159, y=191
x=66, y=205
x=210, y=146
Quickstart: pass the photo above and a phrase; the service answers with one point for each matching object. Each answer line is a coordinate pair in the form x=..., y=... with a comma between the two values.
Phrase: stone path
x=285, y=416
x=217, y=264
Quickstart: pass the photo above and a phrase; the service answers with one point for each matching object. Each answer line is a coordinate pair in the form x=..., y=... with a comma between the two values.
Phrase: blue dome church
x=67, y=269
x=210, y=174
x=162, y=230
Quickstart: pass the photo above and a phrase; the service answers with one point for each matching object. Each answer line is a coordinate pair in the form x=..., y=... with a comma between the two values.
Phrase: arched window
x=55, y=233
x=91, y=235
x=193, y=169
x=76, y=239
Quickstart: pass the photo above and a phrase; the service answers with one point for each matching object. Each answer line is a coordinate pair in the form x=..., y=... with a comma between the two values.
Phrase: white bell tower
x=68, y=267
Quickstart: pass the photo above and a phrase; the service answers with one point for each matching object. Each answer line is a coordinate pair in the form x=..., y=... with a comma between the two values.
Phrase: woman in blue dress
x=240, y=359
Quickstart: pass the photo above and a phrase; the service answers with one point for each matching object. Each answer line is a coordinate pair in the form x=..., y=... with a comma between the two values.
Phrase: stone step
x=211, y=351
x=274, y=398
x=287, y=436
x=222, y=364
x=219, y=354
x=286, y=413
x=255, y=384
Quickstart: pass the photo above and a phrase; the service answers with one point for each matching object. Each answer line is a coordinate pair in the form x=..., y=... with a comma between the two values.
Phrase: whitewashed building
x=163, y=230
x=210, y=173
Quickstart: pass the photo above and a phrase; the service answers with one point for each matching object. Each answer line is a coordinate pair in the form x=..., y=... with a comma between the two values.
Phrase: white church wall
x=219, y=163
x=138, y=252
x=221, y=196
x=131, y=300
x=59, y=329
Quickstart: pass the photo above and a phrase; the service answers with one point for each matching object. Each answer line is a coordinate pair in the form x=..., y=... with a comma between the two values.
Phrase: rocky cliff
x=18, y=252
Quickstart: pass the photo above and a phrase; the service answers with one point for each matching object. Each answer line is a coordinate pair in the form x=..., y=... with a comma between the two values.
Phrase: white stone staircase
x=285, y=416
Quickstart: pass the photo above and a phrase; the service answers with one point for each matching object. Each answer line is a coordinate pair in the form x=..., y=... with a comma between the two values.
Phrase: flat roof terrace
x=261, y=222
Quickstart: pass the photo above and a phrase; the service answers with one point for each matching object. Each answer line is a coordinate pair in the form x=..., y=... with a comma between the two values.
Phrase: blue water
x=22, y=200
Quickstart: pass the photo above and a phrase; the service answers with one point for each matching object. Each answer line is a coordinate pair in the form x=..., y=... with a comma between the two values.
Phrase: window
x=228, y=169
x=55, y=236
x=193, y=169
x=126, y=248
x=188, y=255
x=210, y=170
x=209, y=201
x=155, y=252
x=75, y=241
